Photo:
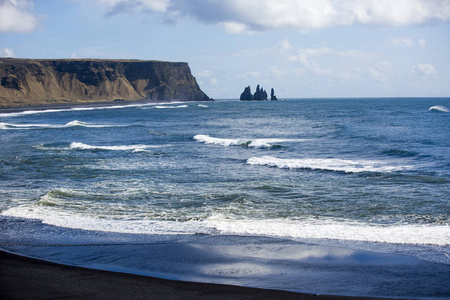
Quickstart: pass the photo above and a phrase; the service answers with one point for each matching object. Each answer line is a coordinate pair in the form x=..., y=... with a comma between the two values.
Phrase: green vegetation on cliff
x=42, y=81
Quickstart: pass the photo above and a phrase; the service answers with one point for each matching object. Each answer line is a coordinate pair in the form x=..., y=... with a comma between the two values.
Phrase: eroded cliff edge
x=43, y=81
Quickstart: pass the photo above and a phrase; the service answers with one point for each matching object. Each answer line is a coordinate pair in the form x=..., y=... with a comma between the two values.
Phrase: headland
x=31, y=82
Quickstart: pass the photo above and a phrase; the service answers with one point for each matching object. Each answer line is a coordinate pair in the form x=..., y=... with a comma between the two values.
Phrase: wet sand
x=27, y=278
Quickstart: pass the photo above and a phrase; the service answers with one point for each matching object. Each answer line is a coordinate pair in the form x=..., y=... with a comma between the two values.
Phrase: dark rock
x=260, y=94
x=11, y=82
x=247, y=94
x=272, y=95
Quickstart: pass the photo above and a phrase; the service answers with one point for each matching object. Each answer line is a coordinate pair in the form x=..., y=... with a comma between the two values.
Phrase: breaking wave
x=328, y=164
x=6, y=126
x=169, y=106
x=56, y=210
x=81, y=108
x=250, y=143
x=135, y=148
x=439, y=108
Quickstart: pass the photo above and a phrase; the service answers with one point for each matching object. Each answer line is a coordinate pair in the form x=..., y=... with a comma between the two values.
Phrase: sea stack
x=272, y=95
x=42, y=81
x=260, y=94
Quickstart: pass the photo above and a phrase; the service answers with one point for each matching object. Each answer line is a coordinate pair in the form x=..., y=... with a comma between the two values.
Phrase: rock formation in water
x=259, y=95
x=43, y=81
x=272, y=95
x=247, y=94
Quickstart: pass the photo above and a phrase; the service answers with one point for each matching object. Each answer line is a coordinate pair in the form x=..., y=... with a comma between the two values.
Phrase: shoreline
x=29, y=278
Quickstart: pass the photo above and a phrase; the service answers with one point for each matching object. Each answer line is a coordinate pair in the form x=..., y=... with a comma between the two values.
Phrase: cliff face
x=41, y=81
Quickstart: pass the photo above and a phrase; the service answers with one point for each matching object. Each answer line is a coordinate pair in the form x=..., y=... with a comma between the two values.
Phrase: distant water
x=371, y=174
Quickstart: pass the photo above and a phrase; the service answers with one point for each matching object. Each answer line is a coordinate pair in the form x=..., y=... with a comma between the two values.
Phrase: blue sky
x=301, y=48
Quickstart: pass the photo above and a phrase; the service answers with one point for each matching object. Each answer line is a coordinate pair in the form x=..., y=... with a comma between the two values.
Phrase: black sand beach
x=27, y=278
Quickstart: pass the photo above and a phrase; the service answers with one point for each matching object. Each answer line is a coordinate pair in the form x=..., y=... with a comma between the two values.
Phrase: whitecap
x=439, y=108
x=89, y=125
x=78, y=108
x=135, y=148
x=418, y=234
x=328, y=164
x=250, y=143
x=54, y=209
x=74, y=123
x=6, y=126
x=168, y=106
x=32, y=112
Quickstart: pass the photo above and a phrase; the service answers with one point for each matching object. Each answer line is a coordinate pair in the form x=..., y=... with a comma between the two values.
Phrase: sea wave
x=135, y=148
x=250, y=143
x=439, y=108
x=170, y=106
x=58, y=211
x=328, y=164
x=329, y=229
x=399, y=153
x=90, y=125
x=77, y=108
x=74, y=123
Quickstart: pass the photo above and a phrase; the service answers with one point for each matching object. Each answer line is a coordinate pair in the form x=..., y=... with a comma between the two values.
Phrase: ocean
x=237, y=192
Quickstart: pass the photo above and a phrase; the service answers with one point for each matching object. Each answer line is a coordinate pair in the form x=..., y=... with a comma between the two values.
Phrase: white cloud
x=234, y=27
x=134, y=6
x=335, y=61
x=276, y=72
x=406, y=42
x=15, y=16
x=424, y=69
x=7, y=52
x=239, y=16
x=382, y=71
x=249, y=75
x=305, y=55
x=208, y=76
x=401, y=41
x=422, y=43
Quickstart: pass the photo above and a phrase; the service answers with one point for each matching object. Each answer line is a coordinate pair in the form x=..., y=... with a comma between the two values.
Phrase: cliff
x=43, y=81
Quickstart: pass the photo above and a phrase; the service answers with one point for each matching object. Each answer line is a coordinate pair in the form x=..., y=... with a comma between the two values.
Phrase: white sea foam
x=63, y=218
x=202, y=105
x=169, y=106
x=329, y=229
x=135, y=148
x=414, y=234
x=90, y=125
x=81, y=108
x=439, y=108
x=329, y=164
x=32, y=112
x=6, y=126
x=251, y=143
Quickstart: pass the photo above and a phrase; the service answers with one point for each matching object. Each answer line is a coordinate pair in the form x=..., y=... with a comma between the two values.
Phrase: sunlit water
x=365, y=174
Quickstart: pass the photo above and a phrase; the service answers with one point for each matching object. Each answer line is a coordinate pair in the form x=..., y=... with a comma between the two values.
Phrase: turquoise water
x=365, y=174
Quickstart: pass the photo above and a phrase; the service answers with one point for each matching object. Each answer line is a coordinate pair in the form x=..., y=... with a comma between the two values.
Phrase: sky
x=301, y=48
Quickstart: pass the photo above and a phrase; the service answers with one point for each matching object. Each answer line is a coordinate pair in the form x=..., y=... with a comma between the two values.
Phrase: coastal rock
x=42, y=81
x=247, y=94
x=260, y=94
x=272, y=95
